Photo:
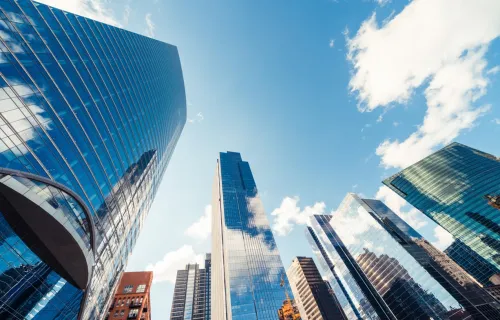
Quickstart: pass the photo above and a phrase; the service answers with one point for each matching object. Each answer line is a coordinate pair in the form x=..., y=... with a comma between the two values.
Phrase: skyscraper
x=89, y=117
x=474, y=263
x=192, y=293
x=398, y=272
x=458, y=187
x=311, y=292
x=247, y=271
x=132, y=297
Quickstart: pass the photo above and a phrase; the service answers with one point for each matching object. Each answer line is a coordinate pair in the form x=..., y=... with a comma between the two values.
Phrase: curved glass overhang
x=46, y=247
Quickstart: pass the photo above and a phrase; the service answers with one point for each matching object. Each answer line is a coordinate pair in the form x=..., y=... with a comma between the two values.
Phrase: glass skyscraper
x=89, y=117
x=389, y=271
x=248, y=278
x=459, y=187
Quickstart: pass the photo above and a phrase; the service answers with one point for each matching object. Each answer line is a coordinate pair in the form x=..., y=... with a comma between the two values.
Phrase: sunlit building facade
x=312, y=294
x=390, y=272
x=459, y=187
x=248, y=278
x=132, y=297
x=89, y=117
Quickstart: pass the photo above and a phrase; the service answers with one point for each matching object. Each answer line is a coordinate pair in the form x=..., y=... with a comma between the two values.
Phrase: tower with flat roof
x=246, y=266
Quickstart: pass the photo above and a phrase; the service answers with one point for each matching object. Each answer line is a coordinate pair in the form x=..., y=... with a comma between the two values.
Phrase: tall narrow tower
x=312, y=294
x=247, y=268
x=192, y=293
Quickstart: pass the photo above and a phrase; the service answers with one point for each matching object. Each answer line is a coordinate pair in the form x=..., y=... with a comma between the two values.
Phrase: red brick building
x=131, y=299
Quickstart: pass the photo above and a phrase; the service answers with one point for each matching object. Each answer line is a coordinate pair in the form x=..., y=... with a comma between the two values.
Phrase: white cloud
x=198, y=118
x=493, y=70
x=93, y=9
x=382, y=2
x=150, y=30
x=396, y=124
x=413, y=217
x=289, y=214
x=126, y=14
x=202, y=228
x=166, y=269
x=444, y=239
x=496, y=121
x=332, y=43
x=439, y=43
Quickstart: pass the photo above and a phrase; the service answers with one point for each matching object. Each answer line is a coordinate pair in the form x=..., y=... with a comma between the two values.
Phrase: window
x=116, y=314
x=122, y=313
x=128, y=288
x=141, y=288
x=133, y=313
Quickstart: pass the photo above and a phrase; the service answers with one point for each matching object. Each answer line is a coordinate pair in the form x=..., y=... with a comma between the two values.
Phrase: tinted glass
x=95, y=108
x=459, y=188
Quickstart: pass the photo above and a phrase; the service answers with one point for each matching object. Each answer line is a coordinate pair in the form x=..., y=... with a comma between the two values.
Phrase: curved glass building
x=89, y=117
x=459, y=188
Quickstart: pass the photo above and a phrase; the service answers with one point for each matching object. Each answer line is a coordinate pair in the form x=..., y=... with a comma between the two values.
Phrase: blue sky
x=321, y=97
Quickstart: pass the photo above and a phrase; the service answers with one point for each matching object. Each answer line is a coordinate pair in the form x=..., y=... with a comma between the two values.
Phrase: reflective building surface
x=389, y=271
x=246, y=266
x=475, y=301
x=89, y=117
x=459, y=187
x=336, y=275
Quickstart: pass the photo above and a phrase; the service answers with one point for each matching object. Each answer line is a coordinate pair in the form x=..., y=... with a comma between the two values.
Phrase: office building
x=192, y=293
x=385, y=265
x=132, y=298
x=246, y=265
x=332, y=276
x=89, y=118
x=458, y=187
x=312, y=294
x=474, y=263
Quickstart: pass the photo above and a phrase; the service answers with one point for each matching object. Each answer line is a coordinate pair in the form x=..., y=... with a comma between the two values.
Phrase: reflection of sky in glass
x=254, y=265
x=450, y=186
x=77, y=100
x=29, y=287
x=329, y=273
x=344, y=274
x=387, y=263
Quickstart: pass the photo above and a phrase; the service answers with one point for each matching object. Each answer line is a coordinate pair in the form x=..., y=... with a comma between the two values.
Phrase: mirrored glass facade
x=247, y=271
x=393, y=268
x=475, y=301
x=459, y=188
x=99, y=111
